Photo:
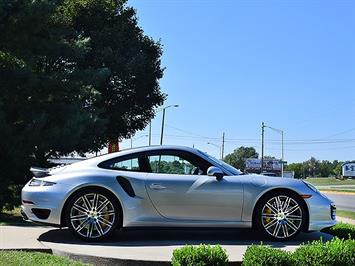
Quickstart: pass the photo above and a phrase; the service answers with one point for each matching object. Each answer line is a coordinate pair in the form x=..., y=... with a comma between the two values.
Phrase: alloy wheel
x=92, y=215
x=281, y=217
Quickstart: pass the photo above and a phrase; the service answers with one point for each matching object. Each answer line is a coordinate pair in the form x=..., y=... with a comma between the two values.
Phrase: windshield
x=229, y=168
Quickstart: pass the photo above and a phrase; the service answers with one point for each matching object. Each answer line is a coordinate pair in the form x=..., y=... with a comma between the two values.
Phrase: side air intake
x=126, y=186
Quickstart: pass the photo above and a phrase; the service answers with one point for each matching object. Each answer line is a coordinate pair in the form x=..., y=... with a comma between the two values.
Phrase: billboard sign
x=268, y=164
x=349, y=169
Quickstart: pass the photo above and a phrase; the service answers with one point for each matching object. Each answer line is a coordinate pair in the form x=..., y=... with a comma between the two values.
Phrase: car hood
x=276, y=181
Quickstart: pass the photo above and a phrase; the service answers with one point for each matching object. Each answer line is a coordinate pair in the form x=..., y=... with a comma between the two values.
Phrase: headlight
x=311, y=187
x=38, y=182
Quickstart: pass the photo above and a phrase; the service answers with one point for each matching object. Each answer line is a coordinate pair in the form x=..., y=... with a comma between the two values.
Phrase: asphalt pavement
x=344, y=201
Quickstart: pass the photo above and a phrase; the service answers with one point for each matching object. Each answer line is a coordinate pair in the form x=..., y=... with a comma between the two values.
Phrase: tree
x=297, y=168
x=238, y=156
x=73, y=74
x=325, y=169
x=311, y=167
x=337, y=168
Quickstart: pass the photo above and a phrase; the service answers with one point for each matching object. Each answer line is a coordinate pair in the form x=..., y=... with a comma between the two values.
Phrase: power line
x=341, y=133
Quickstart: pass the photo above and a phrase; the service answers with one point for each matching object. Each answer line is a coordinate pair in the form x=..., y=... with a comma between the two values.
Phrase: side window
x=171, y=164
x=125, y=165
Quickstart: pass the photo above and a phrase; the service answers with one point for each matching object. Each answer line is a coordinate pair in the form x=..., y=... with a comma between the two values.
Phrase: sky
x=231, y=65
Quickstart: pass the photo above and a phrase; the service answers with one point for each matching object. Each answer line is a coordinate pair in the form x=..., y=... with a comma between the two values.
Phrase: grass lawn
x=14, y=258
x=13, y=218
x=328, y=181
x=346, y=214
x=338, y=190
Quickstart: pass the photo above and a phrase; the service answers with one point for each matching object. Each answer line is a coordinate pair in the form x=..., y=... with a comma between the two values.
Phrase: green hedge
x=202, y=255
x=342, y=230
x=266, y=256
x=337, y=252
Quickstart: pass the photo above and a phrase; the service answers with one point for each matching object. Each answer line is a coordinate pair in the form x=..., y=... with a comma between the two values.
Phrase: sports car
x=170, y=186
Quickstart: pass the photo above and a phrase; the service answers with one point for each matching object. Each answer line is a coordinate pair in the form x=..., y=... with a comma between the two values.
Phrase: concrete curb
x=41, y=250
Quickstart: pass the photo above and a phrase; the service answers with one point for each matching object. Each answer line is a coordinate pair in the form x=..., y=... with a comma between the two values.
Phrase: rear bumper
x=23, y=214
x=43, y=204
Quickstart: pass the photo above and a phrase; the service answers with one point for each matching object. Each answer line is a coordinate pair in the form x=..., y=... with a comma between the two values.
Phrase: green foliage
x=265, y=256
x=315, y=168
x=237, y=157
x=203, y=255
x=73, y=74
x=331, y=253
x=174, y=167
x=297, y=168
x=342, y=231
x=14, y=258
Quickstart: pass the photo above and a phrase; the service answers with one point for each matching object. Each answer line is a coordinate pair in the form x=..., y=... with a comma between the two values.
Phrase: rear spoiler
x=39, y=172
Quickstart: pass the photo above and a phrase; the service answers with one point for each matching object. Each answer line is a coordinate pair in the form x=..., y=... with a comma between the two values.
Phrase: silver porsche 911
x=170, y=186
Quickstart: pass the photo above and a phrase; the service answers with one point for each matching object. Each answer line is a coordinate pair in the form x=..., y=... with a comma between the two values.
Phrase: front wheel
x=93, y=214
x=280, y=216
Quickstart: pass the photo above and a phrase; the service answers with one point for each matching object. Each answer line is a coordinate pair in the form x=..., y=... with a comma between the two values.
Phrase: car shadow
x=172, y=237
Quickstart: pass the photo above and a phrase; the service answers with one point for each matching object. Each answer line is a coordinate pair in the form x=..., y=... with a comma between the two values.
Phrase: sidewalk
x=154, y=247
x=22, y=238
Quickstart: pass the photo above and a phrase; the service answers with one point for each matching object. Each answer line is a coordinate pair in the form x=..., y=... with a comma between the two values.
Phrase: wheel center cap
x=281, y=216
x=93, y=214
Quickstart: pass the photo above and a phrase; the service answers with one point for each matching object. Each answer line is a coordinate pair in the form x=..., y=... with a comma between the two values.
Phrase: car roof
x=96, y=160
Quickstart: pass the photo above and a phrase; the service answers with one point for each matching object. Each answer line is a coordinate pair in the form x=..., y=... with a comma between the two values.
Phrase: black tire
x=280, y=216
x=93, y=214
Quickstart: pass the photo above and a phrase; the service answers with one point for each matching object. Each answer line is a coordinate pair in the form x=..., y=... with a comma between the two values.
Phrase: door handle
x=157, y=186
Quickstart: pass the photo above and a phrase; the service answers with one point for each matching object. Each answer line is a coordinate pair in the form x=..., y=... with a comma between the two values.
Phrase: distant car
x=170, y=186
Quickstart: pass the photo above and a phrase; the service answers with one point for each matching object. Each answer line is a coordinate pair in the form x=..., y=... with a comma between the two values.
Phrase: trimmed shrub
x=202, y=255
x=341, y=230
x=266, y=256
x=337, y=252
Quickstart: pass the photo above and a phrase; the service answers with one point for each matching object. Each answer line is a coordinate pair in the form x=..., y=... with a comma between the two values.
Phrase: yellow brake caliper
x=268, y=211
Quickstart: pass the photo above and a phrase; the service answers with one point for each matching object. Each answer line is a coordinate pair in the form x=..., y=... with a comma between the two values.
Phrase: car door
x=180, y=189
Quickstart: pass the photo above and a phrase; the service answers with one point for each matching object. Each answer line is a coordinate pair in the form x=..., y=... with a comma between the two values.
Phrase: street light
x=282, y=146
x=163, y=121
x=219, y=147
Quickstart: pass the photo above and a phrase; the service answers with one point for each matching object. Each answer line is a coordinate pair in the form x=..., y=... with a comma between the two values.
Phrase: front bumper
x=321, y=212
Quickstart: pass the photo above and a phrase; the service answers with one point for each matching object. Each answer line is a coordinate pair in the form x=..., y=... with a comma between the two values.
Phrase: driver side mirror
x=215, y=171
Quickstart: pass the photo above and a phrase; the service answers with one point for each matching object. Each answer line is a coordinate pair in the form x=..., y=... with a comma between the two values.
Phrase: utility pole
x=282, y=145
x=150, y=133
x=162, y=127
x=222, y=148
x=262, y=146
x=282, y=153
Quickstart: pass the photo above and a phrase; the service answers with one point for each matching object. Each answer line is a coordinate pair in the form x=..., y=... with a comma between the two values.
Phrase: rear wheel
x=280, y=216
x=93, y=214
